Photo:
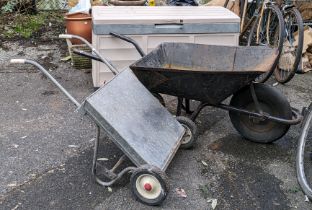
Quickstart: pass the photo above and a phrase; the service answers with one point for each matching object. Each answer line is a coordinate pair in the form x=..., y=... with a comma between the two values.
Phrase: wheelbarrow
x=138, y=124
x=210, y=74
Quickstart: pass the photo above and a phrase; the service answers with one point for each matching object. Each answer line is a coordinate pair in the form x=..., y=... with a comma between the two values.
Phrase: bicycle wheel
x=268, y=30
x=250, y=18
x=303, y=157
x=292, y=47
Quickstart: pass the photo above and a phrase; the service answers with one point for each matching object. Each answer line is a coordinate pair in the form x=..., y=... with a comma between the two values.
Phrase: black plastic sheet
x=182, y=3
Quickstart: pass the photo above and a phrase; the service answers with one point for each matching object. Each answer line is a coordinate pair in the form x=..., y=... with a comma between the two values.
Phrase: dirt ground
x=46, y=147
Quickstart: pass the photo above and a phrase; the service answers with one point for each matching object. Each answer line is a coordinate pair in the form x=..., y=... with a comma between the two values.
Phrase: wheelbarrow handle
x=94, y=51
x=130, y=40
x=87, y=55
x=46, y=73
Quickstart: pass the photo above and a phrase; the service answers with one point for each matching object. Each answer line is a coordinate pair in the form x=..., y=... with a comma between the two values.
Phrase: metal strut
x=108, y=173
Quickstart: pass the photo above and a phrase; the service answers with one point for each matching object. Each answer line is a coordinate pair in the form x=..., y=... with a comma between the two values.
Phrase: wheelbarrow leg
x=187, y=106
x=198, y=110
x=110, y=174
x=179, y=106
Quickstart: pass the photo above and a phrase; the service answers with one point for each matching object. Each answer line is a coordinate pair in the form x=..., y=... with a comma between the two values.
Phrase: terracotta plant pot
x=79, y=24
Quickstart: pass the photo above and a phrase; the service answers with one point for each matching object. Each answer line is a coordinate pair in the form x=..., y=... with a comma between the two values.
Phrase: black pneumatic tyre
x=190, y=135
x=271, y=102
x=271, y=34
x=149, y=185
x=291, y=54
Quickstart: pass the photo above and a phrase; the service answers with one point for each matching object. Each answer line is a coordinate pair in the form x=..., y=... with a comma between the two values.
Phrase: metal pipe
x=255, y=99
x=130, y=40
x=301, y=177
x=96, y=148
x=296, y=117
x=103, y=59
x=179, y=106
x=87, y=55
x=46, y=73
x=119, y=162
x=119, y=175
x=198, y=110
x=108, y=173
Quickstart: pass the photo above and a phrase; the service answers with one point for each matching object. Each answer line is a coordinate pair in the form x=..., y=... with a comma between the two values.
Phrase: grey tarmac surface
x=46, y=148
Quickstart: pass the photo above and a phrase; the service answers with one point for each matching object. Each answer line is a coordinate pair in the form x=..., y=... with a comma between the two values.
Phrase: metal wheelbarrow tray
x=202, y=72
x=138, y=124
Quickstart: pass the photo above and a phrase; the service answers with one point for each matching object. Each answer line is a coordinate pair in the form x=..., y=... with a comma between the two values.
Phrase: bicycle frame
x=257, y=16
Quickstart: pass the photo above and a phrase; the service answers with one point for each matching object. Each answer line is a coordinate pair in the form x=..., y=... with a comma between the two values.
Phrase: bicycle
x=265, y=25
x=268, y=30
x=293, y=44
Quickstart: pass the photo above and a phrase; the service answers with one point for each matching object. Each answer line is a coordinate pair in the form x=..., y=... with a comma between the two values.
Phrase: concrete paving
x=46, y=148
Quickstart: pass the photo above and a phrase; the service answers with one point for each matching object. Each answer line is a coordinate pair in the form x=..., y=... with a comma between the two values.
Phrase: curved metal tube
x=301, y=177
x=103, y=59
x=119, y=175
x=130, y=40
x=108, y=173
x=296, y=116
x=47, y=74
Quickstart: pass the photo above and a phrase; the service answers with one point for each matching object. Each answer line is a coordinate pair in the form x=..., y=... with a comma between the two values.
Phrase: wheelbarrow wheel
x=149, y=185
x=272, y=102
x=190, y=135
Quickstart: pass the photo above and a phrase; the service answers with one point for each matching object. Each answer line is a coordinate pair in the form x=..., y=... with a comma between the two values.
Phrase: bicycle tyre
x=252, y=38
x=278, y=72
x=300, y=169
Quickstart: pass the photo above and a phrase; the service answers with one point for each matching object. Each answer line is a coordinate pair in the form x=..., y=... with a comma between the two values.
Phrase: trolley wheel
x=271, y=102
x=190, y=135
x=160, y=99
x=149, y=185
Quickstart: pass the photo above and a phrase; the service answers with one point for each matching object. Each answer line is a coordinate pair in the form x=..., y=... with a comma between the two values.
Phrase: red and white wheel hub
x=148, y=186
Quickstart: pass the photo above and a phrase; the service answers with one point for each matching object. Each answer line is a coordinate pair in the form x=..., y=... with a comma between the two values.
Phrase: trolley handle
x=46, y=73
x=130, y=40
x=94, y=51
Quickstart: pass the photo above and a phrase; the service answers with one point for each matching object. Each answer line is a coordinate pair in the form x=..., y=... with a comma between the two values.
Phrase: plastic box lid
x=161, y=15
x=164, y=19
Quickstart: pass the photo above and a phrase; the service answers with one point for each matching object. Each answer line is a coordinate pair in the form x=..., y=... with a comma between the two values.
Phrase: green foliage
x=25, y=25
x=8, y=7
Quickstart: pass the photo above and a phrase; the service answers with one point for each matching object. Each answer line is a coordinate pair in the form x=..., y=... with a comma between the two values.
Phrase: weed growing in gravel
x=25, y=26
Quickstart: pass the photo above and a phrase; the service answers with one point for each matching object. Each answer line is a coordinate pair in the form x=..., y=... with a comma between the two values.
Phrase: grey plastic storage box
x=150, y=26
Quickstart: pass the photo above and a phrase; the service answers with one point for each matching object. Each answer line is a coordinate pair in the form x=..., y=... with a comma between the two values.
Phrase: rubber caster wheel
x=160, y=99
x=149, y=185
x=272, y=102
x=190, y=135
